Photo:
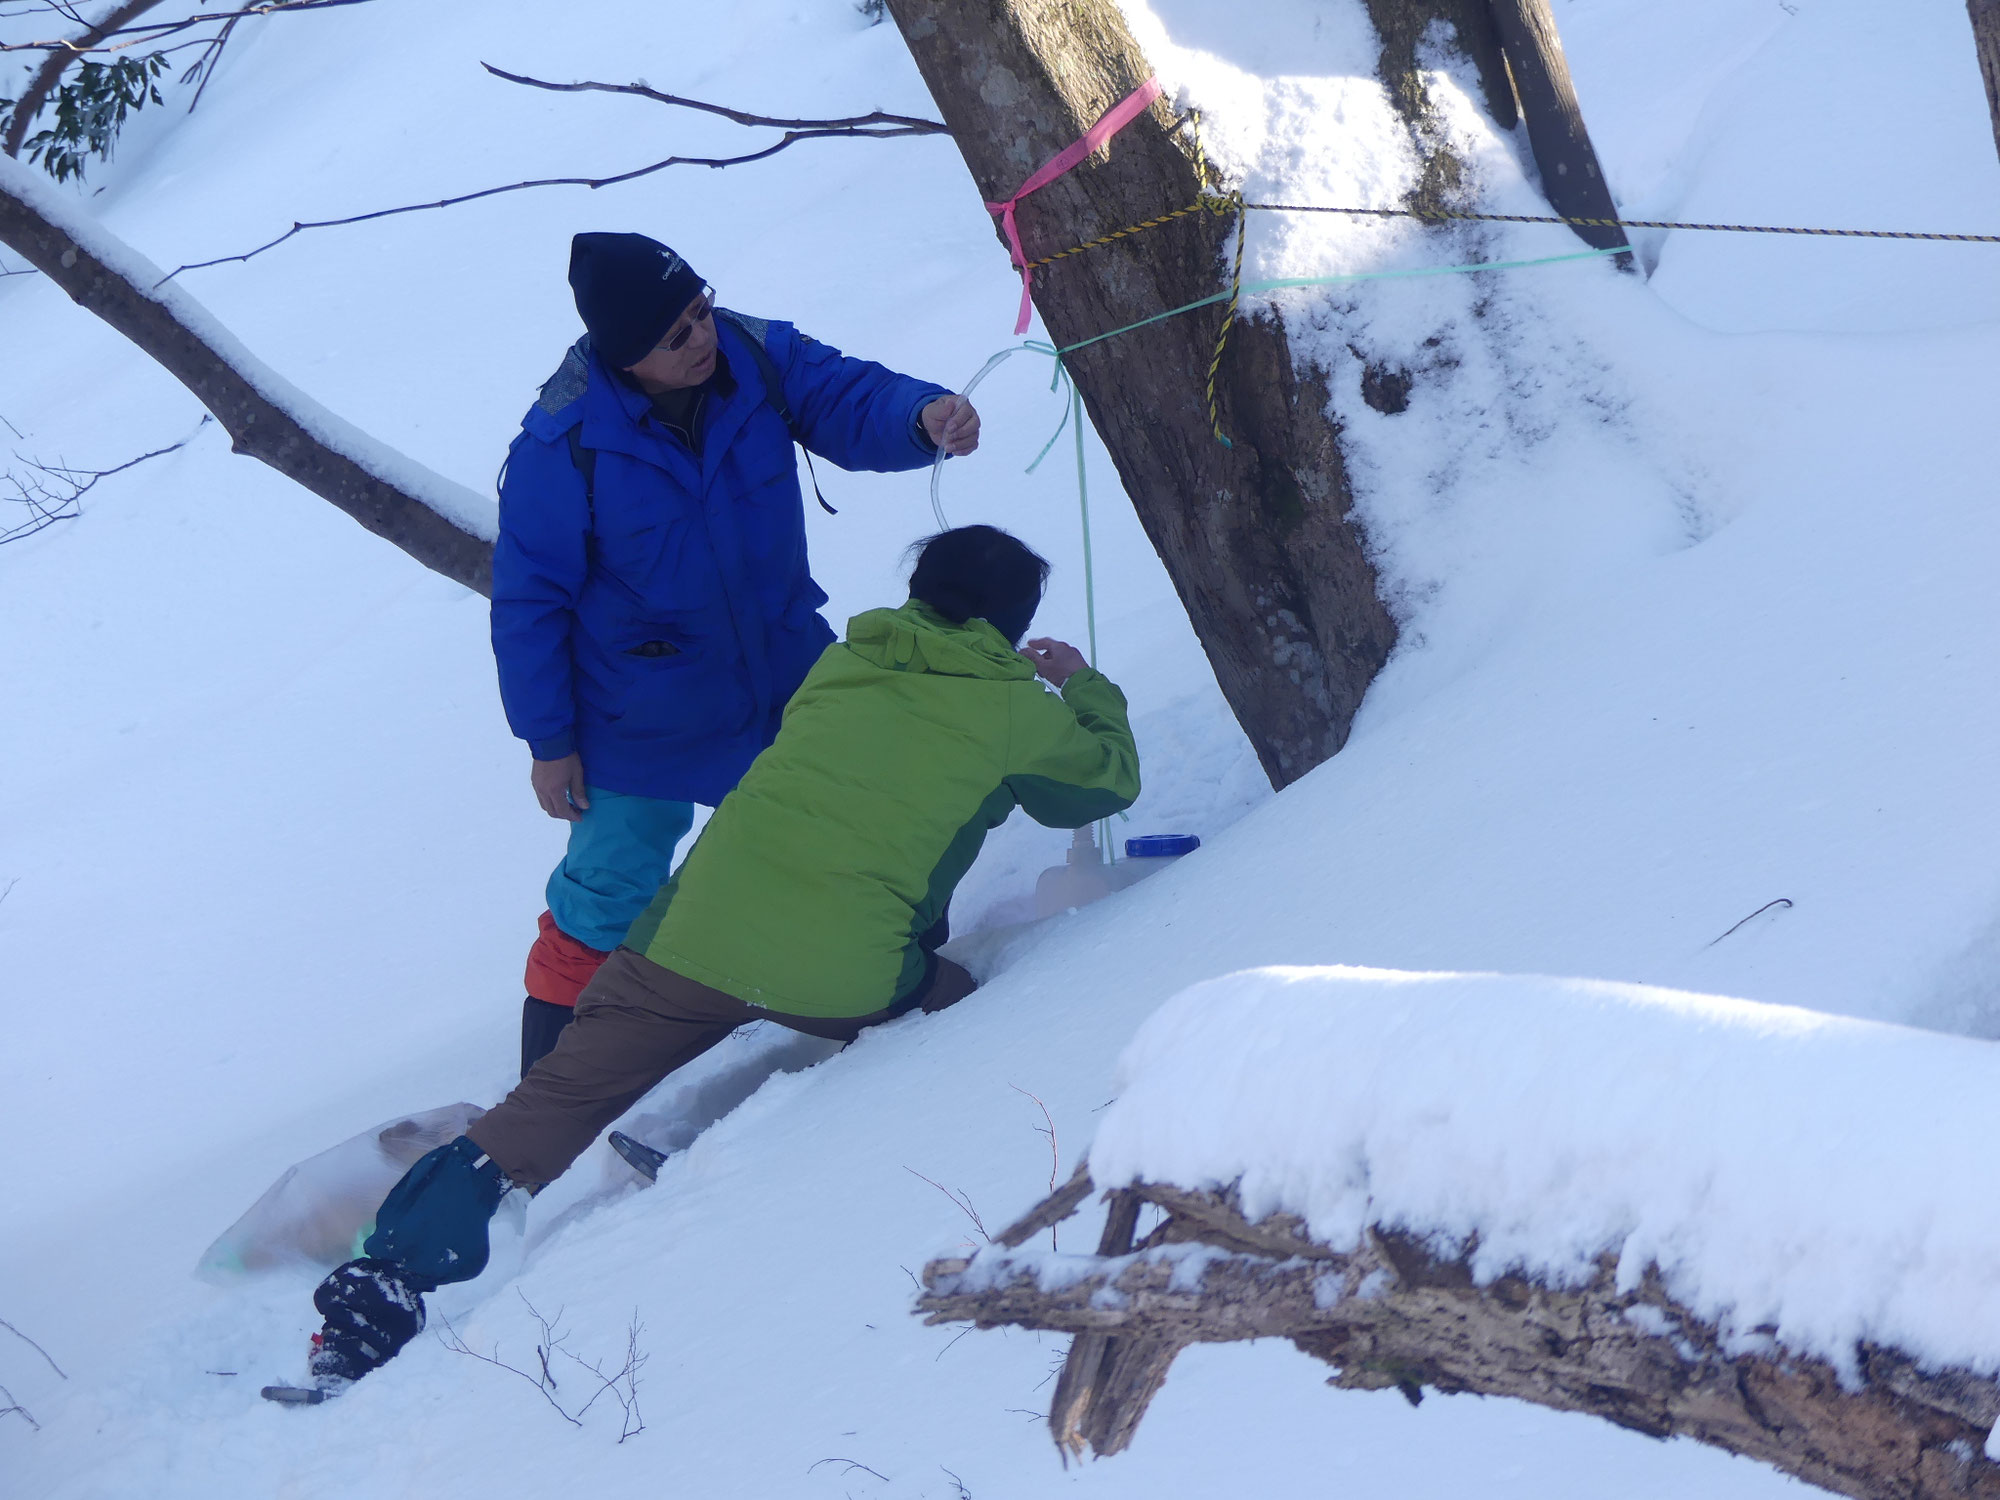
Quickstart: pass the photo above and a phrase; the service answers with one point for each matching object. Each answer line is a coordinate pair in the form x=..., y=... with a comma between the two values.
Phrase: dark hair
x=980, y=571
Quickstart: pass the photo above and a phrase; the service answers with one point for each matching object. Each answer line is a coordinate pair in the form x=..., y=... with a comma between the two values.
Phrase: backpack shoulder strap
x=754, y=331
x=585, y=460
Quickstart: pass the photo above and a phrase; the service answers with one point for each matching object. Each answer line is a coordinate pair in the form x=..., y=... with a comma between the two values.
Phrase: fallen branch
x=1397, y=1313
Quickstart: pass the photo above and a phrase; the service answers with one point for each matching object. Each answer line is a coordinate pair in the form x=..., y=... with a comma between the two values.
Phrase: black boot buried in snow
x=372, y=1310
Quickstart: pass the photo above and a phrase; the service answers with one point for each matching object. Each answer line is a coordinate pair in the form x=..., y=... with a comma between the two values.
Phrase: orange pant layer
x=559, y=966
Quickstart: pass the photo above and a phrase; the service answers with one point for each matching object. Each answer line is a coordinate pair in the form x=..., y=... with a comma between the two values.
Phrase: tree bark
x=236, y=391
x=50, y=73
x=1571, y=178
x=1395, y=1314
x=1985, y=16
x=1258, y=538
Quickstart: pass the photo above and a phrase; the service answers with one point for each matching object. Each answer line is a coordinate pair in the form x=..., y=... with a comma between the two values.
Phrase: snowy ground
x=1695, y=577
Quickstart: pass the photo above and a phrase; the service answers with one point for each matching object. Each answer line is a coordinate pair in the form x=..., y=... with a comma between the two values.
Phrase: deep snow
x=1695, y=581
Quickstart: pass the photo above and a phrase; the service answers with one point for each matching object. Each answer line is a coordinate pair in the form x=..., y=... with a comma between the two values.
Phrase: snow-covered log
x=1396, y=1314
x=443, y=525
x=1743, y=1224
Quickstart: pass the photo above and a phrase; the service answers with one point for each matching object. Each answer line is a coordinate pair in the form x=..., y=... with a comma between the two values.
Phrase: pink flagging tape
x=1108, y=124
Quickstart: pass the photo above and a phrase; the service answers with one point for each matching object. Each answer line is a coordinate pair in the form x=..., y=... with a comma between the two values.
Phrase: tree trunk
x=262, y=418
x=1257, y=537
x=1986, y=38
x=50, y=73
x=1394, y=1314
x=1571, y=178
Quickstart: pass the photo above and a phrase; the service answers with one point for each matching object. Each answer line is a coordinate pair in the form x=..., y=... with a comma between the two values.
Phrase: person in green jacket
x=806, y=900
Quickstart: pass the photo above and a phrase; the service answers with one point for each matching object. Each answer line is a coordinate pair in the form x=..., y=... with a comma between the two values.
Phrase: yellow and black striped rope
x=1119, y=234
x=1444, y=214
x=1228, y=322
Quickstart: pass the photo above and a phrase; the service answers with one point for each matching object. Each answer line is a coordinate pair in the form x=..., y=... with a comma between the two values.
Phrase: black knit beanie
x=629, y=290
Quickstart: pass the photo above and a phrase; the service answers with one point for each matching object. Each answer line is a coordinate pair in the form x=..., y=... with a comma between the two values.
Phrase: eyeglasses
x=698, y=312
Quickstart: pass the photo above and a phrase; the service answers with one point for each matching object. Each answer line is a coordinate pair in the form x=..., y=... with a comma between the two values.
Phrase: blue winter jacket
x=705, y=555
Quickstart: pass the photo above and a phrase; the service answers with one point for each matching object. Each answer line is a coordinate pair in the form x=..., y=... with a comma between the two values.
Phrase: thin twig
x=852, y=1465
x=910, y=124
x=57, y=494
x=458, y=1345
x=14, y=1408
x=1055, y=1151
x=790, y=138
x=1781, y=901
x=964, y=1202
x=209, y=61
x=958, y=1484
x=3, y=1322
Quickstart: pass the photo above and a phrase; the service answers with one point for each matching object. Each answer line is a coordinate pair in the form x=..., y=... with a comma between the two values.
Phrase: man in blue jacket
x=653, y=610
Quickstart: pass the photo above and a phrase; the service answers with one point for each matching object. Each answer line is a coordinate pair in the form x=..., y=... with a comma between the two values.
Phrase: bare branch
x=159, y=30
x=1055, y=1153
x=53, y=493
x=203, y=68
x=14, y=1408
x=964, y=1202
x=852, y=1465
x=622, y=1383
x=458, y=1345
x=3, y=1322
x=790, y=138
x=908, y=124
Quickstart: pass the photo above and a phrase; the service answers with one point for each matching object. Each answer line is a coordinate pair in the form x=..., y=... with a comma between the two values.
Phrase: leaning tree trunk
x=1396, y=1313
x=1571, y=177
x=1257, y=537
x=1986, y=37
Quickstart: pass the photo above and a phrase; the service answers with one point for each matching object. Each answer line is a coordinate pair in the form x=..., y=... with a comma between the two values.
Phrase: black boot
x=372, y=1309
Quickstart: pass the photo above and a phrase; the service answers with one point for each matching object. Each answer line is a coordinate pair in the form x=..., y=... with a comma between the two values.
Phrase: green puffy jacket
x=906, y=743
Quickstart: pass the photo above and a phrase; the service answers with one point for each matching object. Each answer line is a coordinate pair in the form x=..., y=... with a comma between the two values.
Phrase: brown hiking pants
x=636, y=1022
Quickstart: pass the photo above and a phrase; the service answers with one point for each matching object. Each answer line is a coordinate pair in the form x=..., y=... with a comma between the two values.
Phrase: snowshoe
x=639, y=1156
x=295, y=1395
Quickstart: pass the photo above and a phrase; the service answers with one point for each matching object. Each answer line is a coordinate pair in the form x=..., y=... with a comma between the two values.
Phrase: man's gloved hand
x=559, y=787
x=952, y=424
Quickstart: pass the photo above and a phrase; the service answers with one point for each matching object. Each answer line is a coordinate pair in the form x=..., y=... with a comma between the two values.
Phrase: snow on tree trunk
x=443, y=525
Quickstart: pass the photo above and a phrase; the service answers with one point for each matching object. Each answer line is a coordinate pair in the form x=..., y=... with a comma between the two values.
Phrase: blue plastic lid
x=1161, y=845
